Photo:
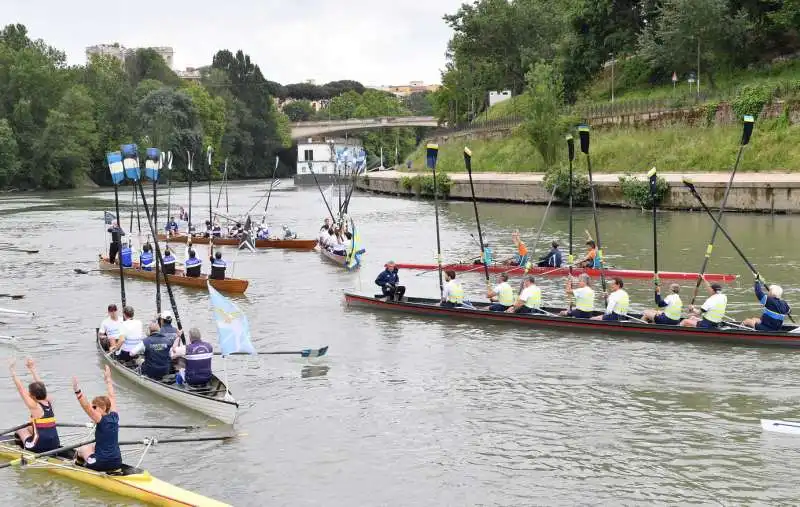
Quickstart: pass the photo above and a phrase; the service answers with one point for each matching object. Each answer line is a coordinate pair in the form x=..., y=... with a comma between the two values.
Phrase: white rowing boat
x=214, y=400
x=788, y=427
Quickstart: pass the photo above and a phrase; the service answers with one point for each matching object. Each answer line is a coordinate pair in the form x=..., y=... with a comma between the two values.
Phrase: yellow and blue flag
x=233, y=328
x=356, y=250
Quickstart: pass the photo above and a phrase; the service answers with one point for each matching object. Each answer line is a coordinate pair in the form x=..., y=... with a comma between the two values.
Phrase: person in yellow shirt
x=501, y=295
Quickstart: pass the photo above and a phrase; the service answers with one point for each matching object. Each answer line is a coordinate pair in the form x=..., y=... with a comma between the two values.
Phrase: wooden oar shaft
x=468, y=165
x=155, y=441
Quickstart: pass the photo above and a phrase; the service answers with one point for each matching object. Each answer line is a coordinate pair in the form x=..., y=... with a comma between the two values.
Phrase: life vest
x=456, y=292
x=717, y=310
x=505, y=294
x=146, y=261
x=584, y=300
x=126, y=257
x=193, y=266
x=623, y=302
x=674, y=307
x=218, y=269
x=45, y=433
x=487, y=256
x=169, y=264
x=597, y=262
x=535, y=298
x=198, y=363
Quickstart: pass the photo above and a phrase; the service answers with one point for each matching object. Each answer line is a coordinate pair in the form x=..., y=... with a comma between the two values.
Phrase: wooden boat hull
x=424, y=306
x=219, y=405
x=535, y=270
x=136, y=483
x=287, y=244
x=229, y=285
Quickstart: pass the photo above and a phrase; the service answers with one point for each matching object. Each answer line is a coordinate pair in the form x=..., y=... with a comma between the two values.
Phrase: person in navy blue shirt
x=389, y=282
x=775, y=308
x=104, y=454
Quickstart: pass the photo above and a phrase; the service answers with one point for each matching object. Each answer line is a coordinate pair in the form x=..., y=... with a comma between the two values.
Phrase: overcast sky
x=372, y=41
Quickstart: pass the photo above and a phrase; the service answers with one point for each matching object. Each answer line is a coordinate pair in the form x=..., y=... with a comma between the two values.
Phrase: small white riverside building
x=319, y=155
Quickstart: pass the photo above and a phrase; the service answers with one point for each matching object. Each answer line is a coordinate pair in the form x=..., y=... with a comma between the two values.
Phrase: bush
x=407, y=183
x=422, y=184
x=637, y=191
x=751, y=100
x=710, y=110
x=560, y=176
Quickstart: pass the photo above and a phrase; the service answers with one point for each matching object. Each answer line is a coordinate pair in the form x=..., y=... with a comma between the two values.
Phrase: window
x=308, y=155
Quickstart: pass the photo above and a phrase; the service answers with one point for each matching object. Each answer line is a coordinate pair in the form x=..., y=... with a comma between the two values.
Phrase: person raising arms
x=41, y=435
x=104, y=454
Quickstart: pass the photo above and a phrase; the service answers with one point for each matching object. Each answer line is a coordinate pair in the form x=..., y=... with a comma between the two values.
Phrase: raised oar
x=544, y=219
x=583, y=133
x=23, y=460
x=302, y=353
x=468, y=165
x=155, y=440
x=431, y=155
x=570, y=258
x=652, y=175
x=746, y=133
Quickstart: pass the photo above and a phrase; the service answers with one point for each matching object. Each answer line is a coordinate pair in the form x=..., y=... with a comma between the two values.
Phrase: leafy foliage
x=560, y=176
x=637, y=191
x=545, y=131
x=299, y=110
x=422, y=184
x=751, y=100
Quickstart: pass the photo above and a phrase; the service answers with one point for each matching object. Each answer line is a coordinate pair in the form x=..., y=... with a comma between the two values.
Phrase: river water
x=414, y=411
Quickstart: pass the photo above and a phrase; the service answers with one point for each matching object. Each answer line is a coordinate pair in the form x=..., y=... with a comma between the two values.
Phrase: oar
x=12, y=296
x=570, y=257
x=732, y=322
x=154, y=440
x=302, y=353
x=431, y=155
x=746, y=133
x=138, y=426
x=21, y=250
x=85, y=271
x=23, y=459
x=652, y=175
x=15, y=428
x=14, y=312
x=468, y=165
x=583, y=133
x=544, y=219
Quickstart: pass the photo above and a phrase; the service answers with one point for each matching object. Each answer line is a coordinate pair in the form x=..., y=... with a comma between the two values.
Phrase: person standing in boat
x=169, y=262
x=584, y=298
x=711, y=313
x=110, y=328
x=104, y=454
x=775, y=308
x=156, y=349
x=41, y=435
x=672, y=306
x=617, y=303
x=192, y=264
x=146, y=260
x=592, y=259
x=217, y=267
x=453, y=292
x=116, y=241
x=529, y=300
x=172, y=227
x=502, y=295
x=389, y=282
x=131, y=335
x=551, y=259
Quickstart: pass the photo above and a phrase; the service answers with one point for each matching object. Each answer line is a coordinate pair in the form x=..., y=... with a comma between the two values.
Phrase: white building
x=317, y=157
x=190, y=74
x=120, y=52
x=498, y=97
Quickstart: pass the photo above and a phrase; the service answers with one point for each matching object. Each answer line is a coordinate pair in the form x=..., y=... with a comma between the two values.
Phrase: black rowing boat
x=725, y=334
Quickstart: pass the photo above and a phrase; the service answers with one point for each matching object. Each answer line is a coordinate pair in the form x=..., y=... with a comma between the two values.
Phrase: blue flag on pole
x=152, y=163
x=130, y=160
x=109, y=218
x=114, y=159
x=233, y=329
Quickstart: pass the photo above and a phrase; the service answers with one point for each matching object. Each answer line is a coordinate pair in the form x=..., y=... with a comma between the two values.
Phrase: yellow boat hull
x=139, y=486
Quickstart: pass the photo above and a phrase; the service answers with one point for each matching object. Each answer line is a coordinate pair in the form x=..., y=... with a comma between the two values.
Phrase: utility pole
x=612, y=77
x=698, y=66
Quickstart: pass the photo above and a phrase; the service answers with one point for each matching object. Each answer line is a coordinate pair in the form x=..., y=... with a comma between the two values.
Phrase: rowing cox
x=792, y=428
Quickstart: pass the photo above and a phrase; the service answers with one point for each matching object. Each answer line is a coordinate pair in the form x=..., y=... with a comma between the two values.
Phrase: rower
x=217, y=267
x=167, y=329
x=529, y=300
x=116, y=239
x=104, y=454
x=617, y=302
x=288, y=233
x=172, y=227
x=110, y=328
x=183, y=214
x=672, y=305
x=156, y=348
x=192, y=265
x=712, y=312
x=521, y=257
x=502, y=295
x=262, y=232
x=169, y=262
x=388, y=280
x=131, y=335
x=209, y=229
x=584, y=298
x=216, y=230
x=592, y=259
x=146, y=259
x=487, y=256
x=453, y=292
x=198, y=356
x=775, y=308
x=41, y=435
x=126, y=256
x=551, y=259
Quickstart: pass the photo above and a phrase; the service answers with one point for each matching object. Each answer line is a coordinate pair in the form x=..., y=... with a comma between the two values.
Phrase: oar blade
x=786, y=427
x=314, y=352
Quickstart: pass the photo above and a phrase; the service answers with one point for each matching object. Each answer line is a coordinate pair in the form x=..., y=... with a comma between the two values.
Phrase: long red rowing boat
x=535, y=270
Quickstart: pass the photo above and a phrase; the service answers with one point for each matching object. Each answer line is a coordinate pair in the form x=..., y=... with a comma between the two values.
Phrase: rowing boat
x=130, y=482
x=229, y=285
x=288, y=244
x=213, y=400
x=340, y=260
x=536, y=270
x=430, y=307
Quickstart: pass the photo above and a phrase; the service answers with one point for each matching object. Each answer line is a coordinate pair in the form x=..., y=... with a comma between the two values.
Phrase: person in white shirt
x=131, y=335
x=453, y=292
x=502, y=295
x=584, y=298
x=529, y=300
x=110, y=327
x=711, y=313
x=617, y=303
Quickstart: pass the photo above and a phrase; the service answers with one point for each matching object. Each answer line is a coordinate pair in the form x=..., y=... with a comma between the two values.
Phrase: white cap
x=166, y=315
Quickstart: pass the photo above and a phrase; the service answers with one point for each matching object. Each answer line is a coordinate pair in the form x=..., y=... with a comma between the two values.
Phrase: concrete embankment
x=758, y=192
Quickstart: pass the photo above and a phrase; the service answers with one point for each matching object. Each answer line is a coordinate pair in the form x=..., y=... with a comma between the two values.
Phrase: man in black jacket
x=116, y=239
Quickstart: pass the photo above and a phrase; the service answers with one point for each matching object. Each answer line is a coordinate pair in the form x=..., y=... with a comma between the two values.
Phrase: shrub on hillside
x=560, y=176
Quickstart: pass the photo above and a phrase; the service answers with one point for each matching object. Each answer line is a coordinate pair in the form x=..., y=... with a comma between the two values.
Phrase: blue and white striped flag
x=109, y=217
x=152, y=163
x=233, y=328
x=130, y=161
x=114, y=159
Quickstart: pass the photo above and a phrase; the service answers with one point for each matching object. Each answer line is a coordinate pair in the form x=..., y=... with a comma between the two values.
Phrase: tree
x=419, y=103
x=306, y=91
x=146, y=63
x=211, y=112
x=298, y=110
x=336, y=88
x=9, y=156
x=545, y=130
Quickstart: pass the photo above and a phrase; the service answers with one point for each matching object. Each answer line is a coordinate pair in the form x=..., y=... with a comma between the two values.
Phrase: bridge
x=312, y=128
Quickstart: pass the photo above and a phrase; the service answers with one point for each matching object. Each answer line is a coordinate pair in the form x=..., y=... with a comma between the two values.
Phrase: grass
x=678, y=148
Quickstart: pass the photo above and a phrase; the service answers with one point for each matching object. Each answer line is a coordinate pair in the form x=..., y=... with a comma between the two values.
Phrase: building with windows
x=322, y=157
x=120, y=52
x=407, y=89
